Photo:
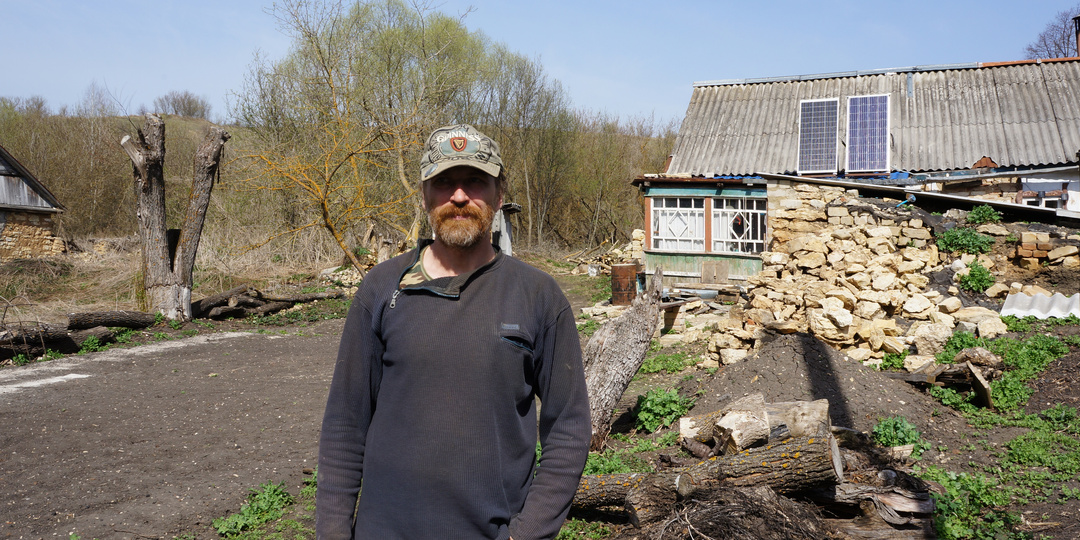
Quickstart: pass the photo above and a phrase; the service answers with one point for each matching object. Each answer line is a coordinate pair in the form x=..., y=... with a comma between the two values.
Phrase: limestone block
x=710, y=363
x=724, y=340
x=638, y=235
x=950, y=304
x=893, y=345
x=884, y=281
x=993, y=229
x=930, y=338
x=816, y=203
x=917, y=233
x=822, y=326
x=837, y=211
x=1032, y=290
x=964, y=326
x=938, y=317
x=809, y=259
x=868, y=310
x=996, y=290
x=775, y=257
x=991, y=328
x=1015, y=287
x=1028, y=237
x=1062, y=252
x=975, y=314
x=790, y=204
x=915, y=222
x=881, y=245
x=906, y=267
x=915, y=362
x=858, y=354
x=669, y=340
x=842, y=234
x=1030, y=263
x=733, y=356
x=1070, y=262
x=842, y=318
x=919, y=281
x=806, y=243
x=879, y=232
x=836, y=260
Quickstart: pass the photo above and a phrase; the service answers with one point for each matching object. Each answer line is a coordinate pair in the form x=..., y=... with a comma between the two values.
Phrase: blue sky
x=629, y=58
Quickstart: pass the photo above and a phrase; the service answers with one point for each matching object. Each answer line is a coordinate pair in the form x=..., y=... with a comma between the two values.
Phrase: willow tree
x=340, y=120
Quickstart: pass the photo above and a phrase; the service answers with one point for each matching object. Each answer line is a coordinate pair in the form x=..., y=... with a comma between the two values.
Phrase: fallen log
x=784, y=420
x=226, y=312
x=270, y=307
x=123, y=319
x=301, y=298
x=794, y=465
x=56, y=339
x=204, y=305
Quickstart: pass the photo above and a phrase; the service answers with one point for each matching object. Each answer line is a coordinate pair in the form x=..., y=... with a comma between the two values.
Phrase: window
x=868, y=134
x=817, y=135
x=738, y=225
x=678, y=223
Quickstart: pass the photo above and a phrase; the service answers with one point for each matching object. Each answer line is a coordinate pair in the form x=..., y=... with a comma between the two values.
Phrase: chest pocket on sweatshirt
x=516, y=336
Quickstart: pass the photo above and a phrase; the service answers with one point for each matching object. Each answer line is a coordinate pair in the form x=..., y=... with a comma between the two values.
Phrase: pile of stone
x=1037, y=249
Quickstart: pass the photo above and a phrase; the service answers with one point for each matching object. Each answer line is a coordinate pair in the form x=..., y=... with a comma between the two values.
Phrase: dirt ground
x=158, y=440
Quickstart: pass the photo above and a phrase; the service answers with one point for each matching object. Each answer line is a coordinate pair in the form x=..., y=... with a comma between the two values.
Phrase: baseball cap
x=458, y=145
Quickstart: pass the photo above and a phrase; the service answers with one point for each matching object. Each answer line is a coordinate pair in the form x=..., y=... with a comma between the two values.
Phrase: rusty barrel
x=623, y=284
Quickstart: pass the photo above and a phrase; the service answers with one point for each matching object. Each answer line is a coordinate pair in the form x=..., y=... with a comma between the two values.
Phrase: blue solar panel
x=817, y=135
x=868, y=133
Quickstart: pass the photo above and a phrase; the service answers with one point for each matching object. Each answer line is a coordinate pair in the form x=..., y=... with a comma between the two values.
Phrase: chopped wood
x=268, y=308
x=123, y=319
x=201, y=307
x=225, y=312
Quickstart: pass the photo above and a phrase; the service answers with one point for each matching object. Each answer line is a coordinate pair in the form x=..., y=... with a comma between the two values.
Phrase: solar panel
x=817, y=135
x=868, y=133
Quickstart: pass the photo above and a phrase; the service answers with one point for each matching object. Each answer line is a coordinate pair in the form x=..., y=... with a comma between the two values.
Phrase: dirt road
x=158, y=440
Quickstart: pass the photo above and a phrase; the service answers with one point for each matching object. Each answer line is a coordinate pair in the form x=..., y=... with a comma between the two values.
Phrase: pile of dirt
x=799, y=367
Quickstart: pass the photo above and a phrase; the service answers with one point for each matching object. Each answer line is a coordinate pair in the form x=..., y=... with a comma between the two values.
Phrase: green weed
x=893, y=361
x=614, y=461
x=964, y=239
x=92, y=344
x=978, y=278
x=659, y=408
x=589, y=327
x=579, y=529
x=895, y=431
x=122, y=335
x=970, y=507
x=267, y=504
x=175, y=324
x=983, y=213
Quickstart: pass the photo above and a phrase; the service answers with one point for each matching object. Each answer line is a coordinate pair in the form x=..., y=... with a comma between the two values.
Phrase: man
x=445, y=350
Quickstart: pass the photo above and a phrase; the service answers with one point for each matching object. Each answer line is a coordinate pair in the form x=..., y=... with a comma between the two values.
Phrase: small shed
x=28, y=212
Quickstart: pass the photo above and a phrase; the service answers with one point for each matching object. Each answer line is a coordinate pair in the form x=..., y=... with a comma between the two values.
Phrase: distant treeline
x=326, y=140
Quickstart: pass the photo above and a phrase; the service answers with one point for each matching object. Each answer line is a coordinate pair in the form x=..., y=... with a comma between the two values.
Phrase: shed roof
x=19, y=189
x=1019, y=114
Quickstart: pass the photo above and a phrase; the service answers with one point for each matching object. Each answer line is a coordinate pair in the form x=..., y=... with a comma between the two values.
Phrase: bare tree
x=183, y=104
x=1058, y=39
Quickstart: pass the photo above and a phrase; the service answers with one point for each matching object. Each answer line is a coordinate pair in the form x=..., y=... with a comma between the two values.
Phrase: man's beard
x=462, y=233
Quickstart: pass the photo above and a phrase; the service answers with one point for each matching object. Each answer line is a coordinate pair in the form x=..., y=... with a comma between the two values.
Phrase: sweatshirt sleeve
x=345, y=423
x=565, y=431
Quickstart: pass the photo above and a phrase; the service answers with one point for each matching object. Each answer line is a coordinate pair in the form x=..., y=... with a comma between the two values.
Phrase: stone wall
x=25, y=235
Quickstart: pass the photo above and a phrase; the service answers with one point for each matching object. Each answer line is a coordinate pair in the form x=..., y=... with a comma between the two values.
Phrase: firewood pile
x=599, y=259
x=34, y=339
x=768, y=470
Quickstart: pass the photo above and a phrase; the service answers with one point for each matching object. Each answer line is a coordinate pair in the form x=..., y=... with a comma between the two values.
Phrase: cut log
x=226, y=312
x=301, y=298
x=203, y=306
x=268, y=308
x=244, y=301
x=124, y=319
x=615, y=353
x=798, y=419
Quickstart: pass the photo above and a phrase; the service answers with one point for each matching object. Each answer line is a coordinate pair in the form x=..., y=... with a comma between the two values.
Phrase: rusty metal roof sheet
x=1023, y=114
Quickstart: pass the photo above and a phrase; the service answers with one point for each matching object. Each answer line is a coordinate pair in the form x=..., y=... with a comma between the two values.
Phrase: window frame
x=754, y=211
x=662, y=215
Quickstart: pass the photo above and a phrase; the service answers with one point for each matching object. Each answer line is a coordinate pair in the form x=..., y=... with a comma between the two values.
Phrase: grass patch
x=321, y=310
x=978, y=278
x=666, y=363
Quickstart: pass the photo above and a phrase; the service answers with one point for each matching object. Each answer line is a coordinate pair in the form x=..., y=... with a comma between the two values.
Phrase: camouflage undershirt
x=415, y=275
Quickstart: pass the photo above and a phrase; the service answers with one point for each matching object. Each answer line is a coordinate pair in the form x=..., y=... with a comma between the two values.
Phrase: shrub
x=964, y=239
x=893, y=361
x=978, y=278
x=660, y=407
x=983, y=214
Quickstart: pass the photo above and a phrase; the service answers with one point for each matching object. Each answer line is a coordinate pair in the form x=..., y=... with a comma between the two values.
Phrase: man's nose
x=459, y=195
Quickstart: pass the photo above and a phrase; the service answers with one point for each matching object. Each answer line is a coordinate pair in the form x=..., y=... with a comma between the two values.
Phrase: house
x=28, y=213
x=1006, y=133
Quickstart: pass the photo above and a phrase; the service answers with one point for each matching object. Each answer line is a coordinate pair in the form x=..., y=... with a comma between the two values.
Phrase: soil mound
x=799, y=367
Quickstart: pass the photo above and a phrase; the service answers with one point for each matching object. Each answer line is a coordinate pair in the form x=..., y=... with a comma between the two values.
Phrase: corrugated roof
x=1024, y=114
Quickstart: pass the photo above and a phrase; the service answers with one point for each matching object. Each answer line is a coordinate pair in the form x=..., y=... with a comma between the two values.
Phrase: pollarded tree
x=168, y=257
x=1058, y=39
